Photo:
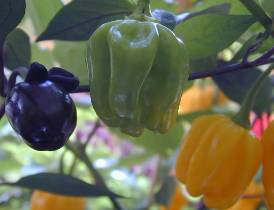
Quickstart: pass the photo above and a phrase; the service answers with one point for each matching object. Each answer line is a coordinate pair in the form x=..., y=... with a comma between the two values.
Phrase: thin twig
x=78, y=152
x=91, y=134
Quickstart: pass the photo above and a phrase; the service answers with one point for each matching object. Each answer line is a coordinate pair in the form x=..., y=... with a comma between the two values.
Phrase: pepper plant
x=134, y=60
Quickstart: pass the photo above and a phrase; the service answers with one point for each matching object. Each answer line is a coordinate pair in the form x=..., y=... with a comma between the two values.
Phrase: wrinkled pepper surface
x=268, y=165
x=136, y=70
x=218, y=159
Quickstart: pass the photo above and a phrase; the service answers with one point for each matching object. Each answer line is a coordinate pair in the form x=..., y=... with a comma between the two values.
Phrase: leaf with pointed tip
x=79, y=19
x=17, y=51
x=62, y=184
x=208, y=34
x=11, y=13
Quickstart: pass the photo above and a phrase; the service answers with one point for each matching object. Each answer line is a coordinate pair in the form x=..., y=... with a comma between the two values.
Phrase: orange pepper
x=178, y=201
x=268, y=165
x=218, y=159
x=249, y=203
x=41, y=200
x=199, y=98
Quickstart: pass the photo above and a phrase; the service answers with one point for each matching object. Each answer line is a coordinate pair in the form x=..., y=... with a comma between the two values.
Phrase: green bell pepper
x=136, y=70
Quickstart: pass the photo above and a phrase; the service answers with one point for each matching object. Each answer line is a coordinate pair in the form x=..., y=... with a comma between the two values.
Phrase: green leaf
x=11, y=13
x=236, y=85
x=17, y=51
x=237, y=7
x=41, y=12
x=203, y=64
x=268, y=6
x=79, y=19
x=208, y=34
x=61, y=184
x=72, y=57
x=163, y=144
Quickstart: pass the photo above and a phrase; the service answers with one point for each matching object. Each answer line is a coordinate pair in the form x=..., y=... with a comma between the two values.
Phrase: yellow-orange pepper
x=218, y=159
x=249, y=203
x=268, y=165
x=41, y=200
x=199, y=98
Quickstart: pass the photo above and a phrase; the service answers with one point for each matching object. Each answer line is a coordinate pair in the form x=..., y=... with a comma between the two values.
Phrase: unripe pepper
x=268, y=163
x=136, y=70
x=41, y=200
x=218, y=159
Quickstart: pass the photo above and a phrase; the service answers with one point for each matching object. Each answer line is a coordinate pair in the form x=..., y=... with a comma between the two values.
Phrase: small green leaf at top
x=61, y=184
x=17, y=50
x=79, y=19
x=11, y=13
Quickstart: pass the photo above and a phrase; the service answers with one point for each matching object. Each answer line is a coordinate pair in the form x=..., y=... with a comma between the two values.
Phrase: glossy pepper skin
x=41, y=111
x=41, y=200
x=136, y=70
x=218, y=159
x=268, y=162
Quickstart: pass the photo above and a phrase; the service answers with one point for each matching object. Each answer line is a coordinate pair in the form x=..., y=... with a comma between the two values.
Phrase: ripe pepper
x=218, y=159
x=41, y=200
x=268, y=169
x=249, y=203
x=199, y=98
x=136, y=70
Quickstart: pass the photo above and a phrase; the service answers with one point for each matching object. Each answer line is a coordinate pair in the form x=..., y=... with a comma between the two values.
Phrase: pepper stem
x=258, y=12
x=142, y=8
x=242, y=117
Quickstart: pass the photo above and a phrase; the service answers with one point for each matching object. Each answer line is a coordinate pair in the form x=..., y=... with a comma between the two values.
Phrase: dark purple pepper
x=42, y=112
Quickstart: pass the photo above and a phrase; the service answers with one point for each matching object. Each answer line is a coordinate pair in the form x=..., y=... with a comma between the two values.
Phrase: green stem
x=242, y=117
x=258, y=12
x=142, y=8
x=80, y=153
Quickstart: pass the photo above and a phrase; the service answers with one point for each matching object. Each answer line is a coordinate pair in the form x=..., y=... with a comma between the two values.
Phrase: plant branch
x=258, y=12
x=3, y=78
x=262, y=60
x=79, y=153
x=91, y=133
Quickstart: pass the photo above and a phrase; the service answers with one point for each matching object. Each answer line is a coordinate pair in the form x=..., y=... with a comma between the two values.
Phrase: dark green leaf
x=17, y=49
x=216, y=9
x=62, y=184
x=11, y=13
x=236, y=6
x=236, y=85
x=208, y=34
x=268, y=6
x=79, y=19
x=203, y=64
x=41, y=12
